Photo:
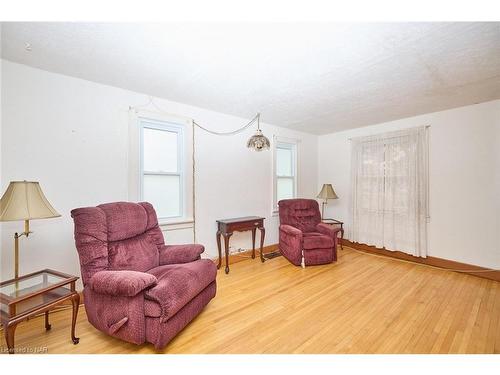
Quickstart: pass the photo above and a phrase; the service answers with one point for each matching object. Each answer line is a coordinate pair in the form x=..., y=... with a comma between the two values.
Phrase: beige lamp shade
x=327, y=192
x=24, y=200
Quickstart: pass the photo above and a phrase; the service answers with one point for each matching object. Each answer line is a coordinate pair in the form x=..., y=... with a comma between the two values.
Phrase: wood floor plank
x=361, y=304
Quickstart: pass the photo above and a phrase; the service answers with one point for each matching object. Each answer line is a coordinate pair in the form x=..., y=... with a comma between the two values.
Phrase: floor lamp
x=326, y=193
x=24, y=200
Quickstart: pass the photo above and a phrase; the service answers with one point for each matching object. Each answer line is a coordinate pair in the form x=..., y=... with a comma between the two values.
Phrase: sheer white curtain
x=390, y=190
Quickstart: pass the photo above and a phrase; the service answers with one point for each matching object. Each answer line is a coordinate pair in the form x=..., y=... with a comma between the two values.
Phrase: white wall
x=72, y=136
x=464, y=179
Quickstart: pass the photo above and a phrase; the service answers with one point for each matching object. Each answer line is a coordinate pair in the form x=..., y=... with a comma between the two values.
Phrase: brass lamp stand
x=16, y=246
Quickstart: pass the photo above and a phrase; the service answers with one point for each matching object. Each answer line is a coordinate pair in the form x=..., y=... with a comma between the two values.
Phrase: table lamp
x=326, y=193
x=24, y=200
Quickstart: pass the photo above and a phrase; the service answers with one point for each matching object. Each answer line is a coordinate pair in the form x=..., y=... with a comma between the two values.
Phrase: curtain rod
x=350, y=139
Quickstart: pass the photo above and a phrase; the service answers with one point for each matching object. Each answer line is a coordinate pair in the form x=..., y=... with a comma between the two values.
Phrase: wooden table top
x=239, y=219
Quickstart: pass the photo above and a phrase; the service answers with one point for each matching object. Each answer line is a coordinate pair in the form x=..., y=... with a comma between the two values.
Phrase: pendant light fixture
x=258, y=141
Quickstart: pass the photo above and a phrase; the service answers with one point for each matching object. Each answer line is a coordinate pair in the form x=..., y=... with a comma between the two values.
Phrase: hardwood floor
x=362, y=304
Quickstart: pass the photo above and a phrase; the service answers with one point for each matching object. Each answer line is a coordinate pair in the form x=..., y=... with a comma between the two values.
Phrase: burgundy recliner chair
x=303, y=238
x=136, y=288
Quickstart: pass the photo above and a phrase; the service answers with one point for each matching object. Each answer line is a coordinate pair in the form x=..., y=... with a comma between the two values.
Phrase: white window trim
x=135, y=163
x=292, y=144
x=148, y=123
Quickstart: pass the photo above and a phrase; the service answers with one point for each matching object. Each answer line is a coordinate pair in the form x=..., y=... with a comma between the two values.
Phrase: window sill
x=176, y=224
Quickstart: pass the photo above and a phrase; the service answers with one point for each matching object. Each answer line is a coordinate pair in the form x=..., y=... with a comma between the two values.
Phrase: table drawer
x=245, y=225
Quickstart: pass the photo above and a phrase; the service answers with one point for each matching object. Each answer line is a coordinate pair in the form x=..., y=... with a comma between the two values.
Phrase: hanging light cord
x=233, y=132
x=256, y=118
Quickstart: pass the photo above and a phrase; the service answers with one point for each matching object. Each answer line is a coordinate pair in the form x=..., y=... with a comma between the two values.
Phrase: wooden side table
x=36, y=293
x=226, y=227
x=335, y=222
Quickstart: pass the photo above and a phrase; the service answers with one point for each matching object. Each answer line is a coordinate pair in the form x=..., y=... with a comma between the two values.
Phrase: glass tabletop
x=30, y=284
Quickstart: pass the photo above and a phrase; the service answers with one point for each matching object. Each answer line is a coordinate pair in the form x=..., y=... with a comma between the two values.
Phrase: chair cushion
x=178, y=284
x=174, y=254
x=124, y=220
x=121, y=283
x=139, y=253
x=302, y=214
x=314, y=240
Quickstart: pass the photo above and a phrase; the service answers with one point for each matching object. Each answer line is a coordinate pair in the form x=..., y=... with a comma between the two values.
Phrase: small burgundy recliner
x=303, y=238
x=136, y=288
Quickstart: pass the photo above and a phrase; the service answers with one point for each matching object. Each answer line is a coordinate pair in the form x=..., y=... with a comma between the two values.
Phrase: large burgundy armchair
x=136, y=288
x=303, y=239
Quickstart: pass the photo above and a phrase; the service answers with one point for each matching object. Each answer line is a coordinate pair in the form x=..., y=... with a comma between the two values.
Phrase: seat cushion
x=139, y=253
x=313, y=240
x=178, y=284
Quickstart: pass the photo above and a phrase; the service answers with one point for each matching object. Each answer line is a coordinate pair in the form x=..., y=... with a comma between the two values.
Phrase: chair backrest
x=302, y=214
x=117, y=236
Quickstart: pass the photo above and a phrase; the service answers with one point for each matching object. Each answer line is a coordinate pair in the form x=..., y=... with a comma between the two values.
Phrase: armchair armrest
x=175, y=254
x=291, y=234
x=121, y=283
x=328, y=230
x=291, y=231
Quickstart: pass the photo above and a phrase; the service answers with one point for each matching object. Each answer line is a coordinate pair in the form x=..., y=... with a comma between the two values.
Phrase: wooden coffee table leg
x=253, y=242
x=262, y=236
x=47, y=324
x=75, y=301
x=219, y=248
x=226, y=248
x=9, y=336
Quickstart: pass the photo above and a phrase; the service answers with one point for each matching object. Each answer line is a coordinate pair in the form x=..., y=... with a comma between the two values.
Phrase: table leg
x=262, y=236
x=219, y=248
x=254, y=230
x=47, y=324
x=75, y=301
x=341, y=237
x=226, y=247
x=9, y=336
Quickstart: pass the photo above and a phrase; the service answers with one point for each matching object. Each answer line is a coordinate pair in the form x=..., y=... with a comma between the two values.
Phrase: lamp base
x=16, y=246
x=323, y=209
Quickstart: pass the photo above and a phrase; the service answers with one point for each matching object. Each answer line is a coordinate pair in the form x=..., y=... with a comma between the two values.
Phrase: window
x=390, y=190
x=285, y=171
x=162, y=167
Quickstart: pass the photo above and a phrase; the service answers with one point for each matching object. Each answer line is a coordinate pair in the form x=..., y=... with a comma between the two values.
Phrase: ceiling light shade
x=258, y=141
x=24, y=200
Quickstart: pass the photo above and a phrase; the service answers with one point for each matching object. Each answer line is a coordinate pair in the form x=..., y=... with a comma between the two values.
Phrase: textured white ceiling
x=318, y=78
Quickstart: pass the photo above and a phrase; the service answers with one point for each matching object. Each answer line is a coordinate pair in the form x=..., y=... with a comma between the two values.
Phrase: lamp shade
x=327, y=192
x=24, y=200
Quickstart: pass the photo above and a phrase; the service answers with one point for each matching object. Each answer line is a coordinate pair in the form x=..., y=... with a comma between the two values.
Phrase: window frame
x=287, y=144
x=163, y=125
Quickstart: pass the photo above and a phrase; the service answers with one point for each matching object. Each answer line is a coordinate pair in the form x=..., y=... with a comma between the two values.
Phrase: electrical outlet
x=232, y=250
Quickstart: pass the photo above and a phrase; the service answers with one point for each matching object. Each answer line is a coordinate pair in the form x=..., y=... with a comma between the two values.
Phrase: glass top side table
x=36, y=293
x=337, y=223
